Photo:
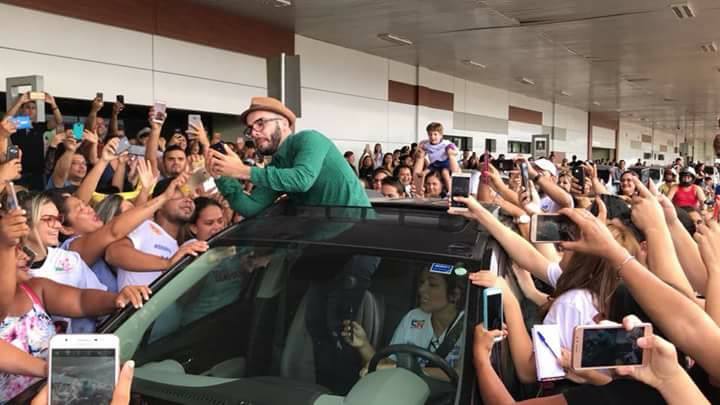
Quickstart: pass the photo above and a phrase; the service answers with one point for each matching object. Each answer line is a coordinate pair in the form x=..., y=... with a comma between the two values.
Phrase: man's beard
x=275, y=138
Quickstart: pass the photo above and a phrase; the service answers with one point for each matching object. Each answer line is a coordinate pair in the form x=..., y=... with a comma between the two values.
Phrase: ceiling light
x=637, y=79
x=596, y=103
x=683, y=11
x=395, y=39
x=709, y=48
x=474, y=64
x=527, y=81
x=669, y=99
x=282, y=3
x=565, y=93
x=572, y=52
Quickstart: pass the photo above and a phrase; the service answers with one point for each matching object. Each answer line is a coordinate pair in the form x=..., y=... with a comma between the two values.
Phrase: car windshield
x=309, y=313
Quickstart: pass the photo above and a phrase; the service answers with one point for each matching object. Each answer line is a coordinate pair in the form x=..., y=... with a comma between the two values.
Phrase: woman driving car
x=439, y=313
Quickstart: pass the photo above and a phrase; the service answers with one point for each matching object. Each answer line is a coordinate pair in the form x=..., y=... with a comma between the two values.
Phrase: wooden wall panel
x=178, y=19
x=518, y=114
x=438, y=99
x=404, y=93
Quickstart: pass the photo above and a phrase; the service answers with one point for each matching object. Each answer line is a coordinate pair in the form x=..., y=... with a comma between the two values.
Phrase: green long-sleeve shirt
x=308, y=167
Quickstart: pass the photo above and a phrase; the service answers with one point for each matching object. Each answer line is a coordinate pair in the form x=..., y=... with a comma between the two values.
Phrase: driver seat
x=298, y=357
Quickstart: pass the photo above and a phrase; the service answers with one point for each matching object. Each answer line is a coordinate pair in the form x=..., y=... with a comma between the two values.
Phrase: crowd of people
x=88, y=223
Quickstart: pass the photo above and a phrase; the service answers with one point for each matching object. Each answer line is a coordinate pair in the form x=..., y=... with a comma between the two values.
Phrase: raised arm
x=13, y=227
x=92, y=246
x=22, y=99
x=708, y=240
x=95, y=107
x=151, y=147
x=90, y=182
x=116, y=109
x=686, y=325
x=519, y=250
x=57, y=115
x=62, y=167
x=85, y=302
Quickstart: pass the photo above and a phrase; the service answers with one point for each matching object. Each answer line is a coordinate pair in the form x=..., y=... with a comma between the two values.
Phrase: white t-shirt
x=68, y=268
x=152, y=239
x=416, y=329
x=571, y=309
x=437, y=152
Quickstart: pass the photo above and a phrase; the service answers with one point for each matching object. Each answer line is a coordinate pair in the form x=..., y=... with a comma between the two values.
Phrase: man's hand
x=24, y=98
x=228, y=165
x=71, y=144
x=97, y=105
x=198, y=131
x=50, y=100
x=145, y=175
x=90, y=137
x=176, y=184
x=13, y=227
x=7, y=127
x=117, y=108
x=57, y=139
x=11, y=170
x=192, y=248
x=132, y=294
x=109, y=150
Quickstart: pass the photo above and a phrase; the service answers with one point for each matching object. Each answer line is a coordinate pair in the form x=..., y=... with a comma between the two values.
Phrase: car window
x=287, y=311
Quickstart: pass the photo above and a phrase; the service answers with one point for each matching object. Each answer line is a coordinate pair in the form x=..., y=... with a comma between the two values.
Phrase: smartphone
x=552, y=228
x=220, y=147
x=579, y=174
x=645, y=176
x=99, y=96
x=460, y=187
x=136, y=150
x=486, y=168
x=120, y=99
x=22, y=122
x=11, y=202
x=37, y=95
x=30, y=254
x=524, y=176
x=122, y=146
x=13, y=152
x=608, y=346
x=493, y=309
x=83, y=369
x=78, y=129
x=160, y=109
x=194, y=120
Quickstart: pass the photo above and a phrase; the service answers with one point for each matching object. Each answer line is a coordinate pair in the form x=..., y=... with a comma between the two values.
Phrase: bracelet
x=619, y=268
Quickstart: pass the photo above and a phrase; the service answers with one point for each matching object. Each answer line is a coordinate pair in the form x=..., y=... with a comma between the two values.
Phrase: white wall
x=631, y=134
x=345, y=92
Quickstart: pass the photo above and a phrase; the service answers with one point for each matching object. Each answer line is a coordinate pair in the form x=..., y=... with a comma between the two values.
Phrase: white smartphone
x=83, y=369
x=493, y=310
x=552, y=228
x=608, y=346
x=459, y=187
x=194, y=119
x=160, y=112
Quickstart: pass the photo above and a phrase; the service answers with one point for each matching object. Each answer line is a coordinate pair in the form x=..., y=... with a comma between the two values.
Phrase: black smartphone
x=13, y=152
x=579, y=174
x=220, y=147
x=12, y=200
x=120, y=99
x=524, y=180
x=460, y=188
x=552, y=228
x=99, y=95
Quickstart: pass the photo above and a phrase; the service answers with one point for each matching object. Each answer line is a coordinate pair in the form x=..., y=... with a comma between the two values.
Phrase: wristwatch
x=522, y=219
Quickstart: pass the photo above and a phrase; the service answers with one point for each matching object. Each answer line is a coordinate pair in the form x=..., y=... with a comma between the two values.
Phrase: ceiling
x=630, y=57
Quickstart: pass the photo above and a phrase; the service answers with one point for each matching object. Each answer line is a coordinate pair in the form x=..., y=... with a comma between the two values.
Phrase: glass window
x=519, y=147
x=304, y=312
x=491, y=145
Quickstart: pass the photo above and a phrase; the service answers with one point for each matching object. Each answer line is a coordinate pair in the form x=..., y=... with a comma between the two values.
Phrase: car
x=259, y=317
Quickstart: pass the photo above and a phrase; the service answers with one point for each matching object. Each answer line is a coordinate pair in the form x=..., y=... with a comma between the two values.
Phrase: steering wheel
x=407, y=356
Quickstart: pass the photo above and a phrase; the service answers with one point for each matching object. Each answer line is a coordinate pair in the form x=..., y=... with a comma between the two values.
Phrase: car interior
x=275, y=334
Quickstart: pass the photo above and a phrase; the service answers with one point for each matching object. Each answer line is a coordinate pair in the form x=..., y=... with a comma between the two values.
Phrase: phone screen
x=82, y=376
x=611, y=347
x=12, y=153
x=122, y=146
x=460, y=188
x=524, y=181
x=494, y=312
x=220, y=147
x=78, y=129
x=555, y=228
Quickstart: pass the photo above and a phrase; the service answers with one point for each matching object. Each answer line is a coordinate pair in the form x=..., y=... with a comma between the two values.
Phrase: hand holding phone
x=160, y=112
x=459, y=187
x=78, y=129
x=524, y=175
x=552, y=228
x=83, y=363
x=13, y=152
x=493, y=310
x=609, y=346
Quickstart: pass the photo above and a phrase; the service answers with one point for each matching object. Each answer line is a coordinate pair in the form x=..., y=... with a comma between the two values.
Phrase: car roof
x=410, y=226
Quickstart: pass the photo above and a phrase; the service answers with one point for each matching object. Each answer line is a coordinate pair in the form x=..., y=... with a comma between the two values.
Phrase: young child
x=439, y=155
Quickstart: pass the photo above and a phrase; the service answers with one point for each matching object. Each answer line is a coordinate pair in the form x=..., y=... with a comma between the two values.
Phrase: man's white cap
x=546, y=165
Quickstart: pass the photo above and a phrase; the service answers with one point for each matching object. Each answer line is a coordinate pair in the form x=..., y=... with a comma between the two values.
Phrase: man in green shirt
x=305, y=165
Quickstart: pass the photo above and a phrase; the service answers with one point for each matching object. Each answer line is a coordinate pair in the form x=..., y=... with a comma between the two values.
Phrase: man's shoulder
x=309, y=135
